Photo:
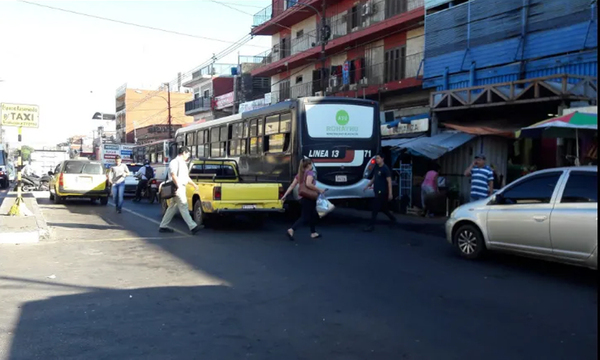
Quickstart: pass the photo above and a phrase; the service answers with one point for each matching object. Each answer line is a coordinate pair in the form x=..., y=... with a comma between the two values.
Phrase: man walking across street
x=482, y=178
x=144, y=174
x=116, y=177
x=381, y=180
x=179, y=173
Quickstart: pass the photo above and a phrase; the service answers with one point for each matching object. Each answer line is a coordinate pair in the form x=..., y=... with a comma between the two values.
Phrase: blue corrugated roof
x=431, y=147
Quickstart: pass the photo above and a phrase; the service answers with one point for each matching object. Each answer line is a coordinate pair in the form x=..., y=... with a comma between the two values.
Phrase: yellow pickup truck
x=222, y=192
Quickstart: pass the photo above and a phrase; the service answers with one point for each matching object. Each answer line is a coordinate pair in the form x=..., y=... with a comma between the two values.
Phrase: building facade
x=152, y=133
x=212, y=87
x=373, y=49
x=137, y=108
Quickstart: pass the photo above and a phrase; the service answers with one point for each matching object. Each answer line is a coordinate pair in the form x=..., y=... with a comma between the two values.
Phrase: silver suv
x=550, y=214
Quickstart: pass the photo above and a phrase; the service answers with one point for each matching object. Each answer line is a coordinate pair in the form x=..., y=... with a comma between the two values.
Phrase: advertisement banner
x=224, y=101
x=339, y=121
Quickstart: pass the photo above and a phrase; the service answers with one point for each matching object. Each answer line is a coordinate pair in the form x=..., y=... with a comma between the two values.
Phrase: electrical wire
x=131, y=24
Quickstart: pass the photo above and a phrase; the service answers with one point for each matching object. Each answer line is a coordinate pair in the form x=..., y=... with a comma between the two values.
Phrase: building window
x=299, y=79
x=395, y=64
x=354, y=18
x=284, y=90
x=299, y=34
x=395, y=7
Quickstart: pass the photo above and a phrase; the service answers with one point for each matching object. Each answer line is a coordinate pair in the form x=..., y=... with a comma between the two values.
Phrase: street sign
x=20, y=115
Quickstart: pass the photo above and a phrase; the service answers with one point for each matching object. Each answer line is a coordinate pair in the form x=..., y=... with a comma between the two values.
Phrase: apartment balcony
x=206, y=73
x=197, y=106
x=269, y=20
x=359, y=25
x=366, y=81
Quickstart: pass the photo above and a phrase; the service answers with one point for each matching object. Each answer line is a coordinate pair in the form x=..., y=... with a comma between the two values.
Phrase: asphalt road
x=109, y=286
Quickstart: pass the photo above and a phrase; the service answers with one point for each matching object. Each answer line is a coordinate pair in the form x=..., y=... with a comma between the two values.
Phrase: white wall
x=308, y=26
x=302, y=89
x=415, y=45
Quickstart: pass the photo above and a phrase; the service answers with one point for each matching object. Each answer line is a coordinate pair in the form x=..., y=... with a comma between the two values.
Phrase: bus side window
x=201, y=144
x=277, y=133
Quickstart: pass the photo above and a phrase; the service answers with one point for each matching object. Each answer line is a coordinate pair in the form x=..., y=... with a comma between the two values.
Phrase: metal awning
x=431, y=147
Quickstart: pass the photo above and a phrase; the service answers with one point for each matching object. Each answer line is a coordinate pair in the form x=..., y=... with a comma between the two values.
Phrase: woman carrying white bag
x=309, y=194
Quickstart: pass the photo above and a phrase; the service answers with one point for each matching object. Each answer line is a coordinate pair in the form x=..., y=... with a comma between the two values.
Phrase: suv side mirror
x=50, y=173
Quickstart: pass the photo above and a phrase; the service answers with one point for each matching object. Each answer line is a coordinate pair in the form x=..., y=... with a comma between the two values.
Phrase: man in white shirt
x=179, y=173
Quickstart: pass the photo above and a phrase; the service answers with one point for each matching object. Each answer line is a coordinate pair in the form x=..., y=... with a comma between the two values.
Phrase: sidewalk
x=21, y=229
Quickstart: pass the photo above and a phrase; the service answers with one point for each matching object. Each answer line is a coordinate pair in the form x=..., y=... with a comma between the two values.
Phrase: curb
x=34, y=228
x=15, y=238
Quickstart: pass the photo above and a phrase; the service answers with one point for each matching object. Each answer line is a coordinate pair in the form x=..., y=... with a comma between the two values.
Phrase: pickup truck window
x=219, y=170
x=582, y=187
x=534, y=190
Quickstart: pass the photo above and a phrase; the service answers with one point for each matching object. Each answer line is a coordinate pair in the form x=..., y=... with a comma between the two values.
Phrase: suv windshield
x=133, y=169
x=83, y=167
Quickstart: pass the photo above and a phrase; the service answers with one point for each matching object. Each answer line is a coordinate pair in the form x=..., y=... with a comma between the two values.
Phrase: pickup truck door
x=574, y=220
x=521, y=220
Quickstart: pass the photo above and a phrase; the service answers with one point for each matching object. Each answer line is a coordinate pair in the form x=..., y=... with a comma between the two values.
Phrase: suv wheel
x=469, y=242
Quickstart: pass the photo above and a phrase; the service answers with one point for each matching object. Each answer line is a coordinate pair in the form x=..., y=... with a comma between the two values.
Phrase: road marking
x=115, y=239
x=150, y=219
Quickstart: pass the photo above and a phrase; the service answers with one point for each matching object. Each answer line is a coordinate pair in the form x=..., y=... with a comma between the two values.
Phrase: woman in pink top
x=429, y=186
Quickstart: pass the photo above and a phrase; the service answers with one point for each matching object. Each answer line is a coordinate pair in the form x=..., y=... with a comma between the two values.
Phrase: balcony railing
x=197, y=105
x=357, y=80
x=342, y=24
x=263, y=16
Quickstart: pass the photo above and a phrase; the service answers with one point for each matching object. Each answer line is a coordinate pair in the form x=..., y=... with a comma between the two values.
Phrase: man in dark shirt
x=381, y=180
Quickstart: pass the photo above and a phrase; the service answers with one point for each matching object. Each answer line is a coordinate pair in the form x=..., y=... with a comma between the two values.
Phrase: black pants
x=309, y=215
x=380, y=203
x=141, y=185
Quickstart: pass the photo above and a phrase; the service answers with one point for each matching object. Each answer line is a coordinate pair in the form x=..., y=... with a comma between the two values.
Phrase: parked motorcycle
x=35, y=183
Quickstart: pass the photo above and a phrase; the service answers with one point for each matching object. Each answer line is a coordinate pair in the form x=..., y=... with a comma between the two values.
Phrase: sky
x=71, y=65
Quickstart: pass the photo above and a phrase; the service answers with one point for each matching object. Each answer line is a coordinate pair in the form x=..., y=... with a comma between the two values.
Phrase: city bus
x=341, y=135
x=157, y=153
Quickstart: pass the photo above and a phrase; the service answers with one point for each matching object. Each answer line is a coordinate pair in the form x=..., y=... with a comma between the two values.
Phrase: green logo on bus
x=342, y=117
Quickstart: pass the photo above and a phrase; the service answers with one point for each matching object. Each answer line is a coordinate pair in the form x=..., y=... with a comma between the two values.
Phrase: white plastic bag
x=324, y=206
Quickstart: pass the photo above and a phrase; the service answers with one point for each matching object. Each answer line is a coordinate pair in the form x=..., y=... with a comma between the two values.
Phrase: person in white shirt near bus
x=179, y=173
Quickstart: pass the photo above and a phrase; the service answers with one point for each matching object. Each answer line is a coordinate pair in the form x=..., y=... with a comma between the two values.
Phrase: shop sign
x=415, y=126
x=224, y=101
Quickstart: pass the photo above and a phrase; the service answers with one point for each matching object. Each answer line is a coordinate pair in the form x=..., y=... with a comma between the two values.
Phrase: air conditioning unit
x=353, y=87
x=330, y=90
x=333, y=82
x=319, y=93
x=364, y=81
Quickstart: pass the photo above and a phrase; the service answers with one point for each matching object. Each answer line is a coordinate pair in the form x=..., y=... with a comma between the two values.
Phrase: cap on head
x=480, y=156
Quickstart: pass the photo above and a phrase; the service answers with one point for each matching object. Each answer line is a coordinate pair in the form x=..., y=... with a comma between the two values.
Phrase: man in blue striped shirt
x=482, y=178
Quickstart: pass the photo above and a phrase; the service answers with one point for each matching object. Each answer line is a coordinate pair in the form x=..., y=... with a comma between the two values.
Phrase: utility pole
x=169, y=105
x=324, y=34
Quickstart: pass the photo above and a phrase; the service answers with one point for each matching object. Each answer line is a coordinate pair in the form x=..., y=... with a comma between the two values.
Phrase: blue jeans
x=117, y=192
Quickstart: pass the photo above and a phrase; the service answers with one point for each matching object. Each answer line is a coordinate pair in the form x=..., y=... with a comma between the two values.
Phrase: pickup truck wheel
x=57, y=199
x=51, y=196
x=199, y=216
x=104, y=200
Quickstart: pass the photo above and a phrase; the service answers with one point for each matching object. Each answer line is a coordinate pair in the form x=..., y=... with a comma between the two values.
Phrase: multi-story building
x=494, y=67
x=152, y=133
x=212, y=86
x=137, y=108
x=374, y=49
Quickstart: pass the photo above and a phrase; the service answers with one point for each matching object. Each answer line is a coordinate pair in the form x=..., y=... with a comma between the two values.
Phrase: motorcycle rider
x=145, y=173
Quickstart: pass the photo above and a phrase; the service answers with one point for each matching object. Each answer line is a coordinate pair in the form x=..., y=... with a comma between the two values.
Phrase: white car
x=550, y=214
x=131, y=182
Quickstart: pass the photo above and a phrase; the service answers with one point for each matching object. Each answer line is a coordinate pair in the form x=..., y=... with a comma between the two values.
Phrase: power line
x=231, y=7
x=131, y=24
x=239, y=4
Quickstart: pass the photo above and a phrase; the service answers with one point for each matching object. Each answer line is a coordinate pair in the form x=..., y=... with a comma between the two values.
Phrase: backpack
x=149, y=172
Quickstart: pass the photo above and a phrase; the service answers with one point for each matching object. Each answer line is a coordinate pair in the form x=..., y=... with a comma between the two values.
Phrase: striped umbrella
x=566, y=126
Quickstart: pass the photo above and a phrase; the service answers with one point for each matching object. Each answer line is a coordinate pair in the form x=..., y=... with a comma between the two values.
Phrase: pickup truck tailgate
x=242, y=192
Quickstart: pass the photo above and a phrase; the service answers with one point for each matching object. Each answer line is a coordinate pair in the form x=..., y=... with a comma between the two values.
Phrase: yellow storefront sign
x=20, y=115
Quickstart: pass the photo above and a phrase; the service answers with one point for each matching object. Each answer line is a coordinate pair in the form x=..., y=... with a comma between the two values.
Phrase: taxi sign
x=20, y=115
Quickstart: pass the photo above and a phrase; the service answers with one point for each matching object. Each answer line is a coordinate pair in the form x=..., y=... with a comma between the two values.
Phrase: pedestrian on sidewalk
x=482, y=178
x=381, y=181
x=116, y=177
x=179, y=174
x=429, y=187
x=305, y=176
